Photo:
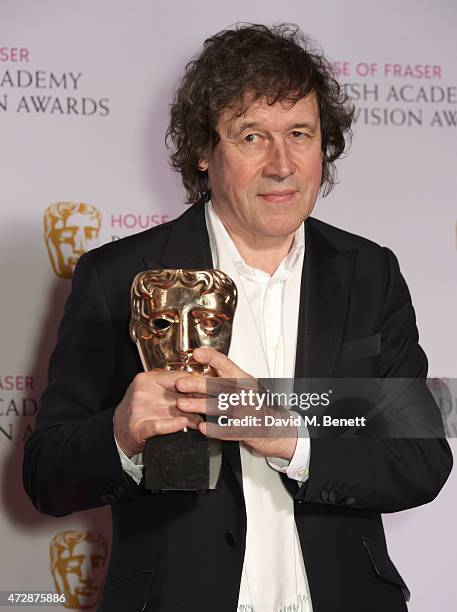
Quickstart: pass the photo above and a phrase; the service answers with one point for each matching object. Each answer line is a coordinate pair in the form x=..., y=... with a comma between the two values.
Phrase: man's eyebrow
x=244, y=125
x=304, y=125
x=248, y=125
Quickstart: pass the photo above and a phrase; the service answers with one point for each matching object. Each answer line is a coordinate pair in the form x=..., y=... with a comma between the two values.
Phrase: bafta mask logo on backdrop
x=70, y=230
x=78, y=560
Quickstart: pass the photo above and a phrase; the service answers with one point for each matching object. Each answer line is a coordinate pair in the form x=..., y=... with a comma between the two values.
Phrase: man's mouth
x=278, y=197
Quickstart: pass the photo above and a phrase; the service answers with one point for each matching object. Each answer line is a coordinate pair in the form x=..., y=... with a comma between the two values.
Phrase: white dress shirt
x=264, y=344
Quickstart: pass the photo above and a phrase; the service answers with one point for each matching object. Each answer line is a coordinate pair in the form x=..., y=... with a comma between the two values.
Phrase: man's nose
x=279, y=164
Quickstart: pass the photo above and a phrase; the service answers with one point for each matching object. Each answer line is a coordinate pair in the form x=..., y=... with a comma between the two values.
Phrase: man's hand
x=149, y=409
x=263, y=440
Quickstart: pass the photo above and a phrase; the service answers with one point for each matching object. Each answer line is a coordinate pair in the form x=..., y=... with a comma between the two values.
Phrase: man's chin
x=282, y=220
x=278, y=227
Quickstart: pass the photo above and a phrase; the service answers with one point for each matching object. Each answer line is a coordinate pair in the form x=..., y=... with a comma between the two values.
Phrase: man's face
x=81, y=572
x=265, y=173
x=71, y=238
x=182, y=320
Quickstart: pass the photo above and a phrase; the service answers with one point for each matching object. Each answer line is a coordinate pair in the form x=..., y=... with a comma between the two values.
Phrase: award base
x=182, y=461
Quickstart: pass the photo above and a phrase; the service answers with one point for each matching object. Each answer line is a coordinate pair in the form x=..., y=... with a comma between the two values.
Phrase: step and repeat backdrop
x=85, y=89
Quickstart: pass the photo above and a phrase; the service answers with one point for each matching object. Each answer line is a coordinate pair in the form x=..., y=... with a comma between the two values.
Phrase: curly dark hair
x=248, y=62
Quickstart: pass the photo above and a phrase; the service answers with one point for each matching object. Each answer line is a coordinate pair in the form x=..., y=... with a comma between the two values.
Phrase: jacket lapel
x=324, y=304
x=188, y=247
x=188, y=244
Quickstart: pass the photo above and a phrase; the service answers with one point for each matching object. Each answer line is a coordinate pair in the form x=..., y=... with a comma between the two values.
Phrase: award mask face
x=78, y=560
x=71, y=229
x=177, y=311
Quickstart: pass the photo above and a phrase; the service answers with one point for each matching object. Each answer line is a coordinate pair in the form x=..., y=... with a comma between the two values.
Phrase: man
x=257, y=123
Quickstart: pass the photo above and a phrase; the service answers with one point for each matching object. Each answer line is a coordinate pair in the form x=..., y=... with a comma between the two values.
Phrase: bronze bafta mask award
x=173, y=313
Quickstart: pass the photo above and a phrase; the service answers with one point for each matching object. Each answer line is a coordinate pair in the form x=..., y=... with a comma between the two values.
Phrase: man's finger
x=198, y=406
x=159, y=427
x=163, y=378
x=193, y=421
x=224, y=366
x=209, y=386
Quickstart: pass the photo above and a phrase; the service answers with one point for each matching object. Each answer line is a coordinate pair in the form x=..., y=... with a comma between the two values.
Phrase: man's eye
x=298, y=135
x=160, y=324
x=252, y=138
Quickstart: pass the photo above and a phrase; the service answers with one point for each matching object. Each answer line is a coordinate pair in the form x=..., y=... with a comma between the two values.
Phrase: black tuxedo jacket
x=183, y=551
